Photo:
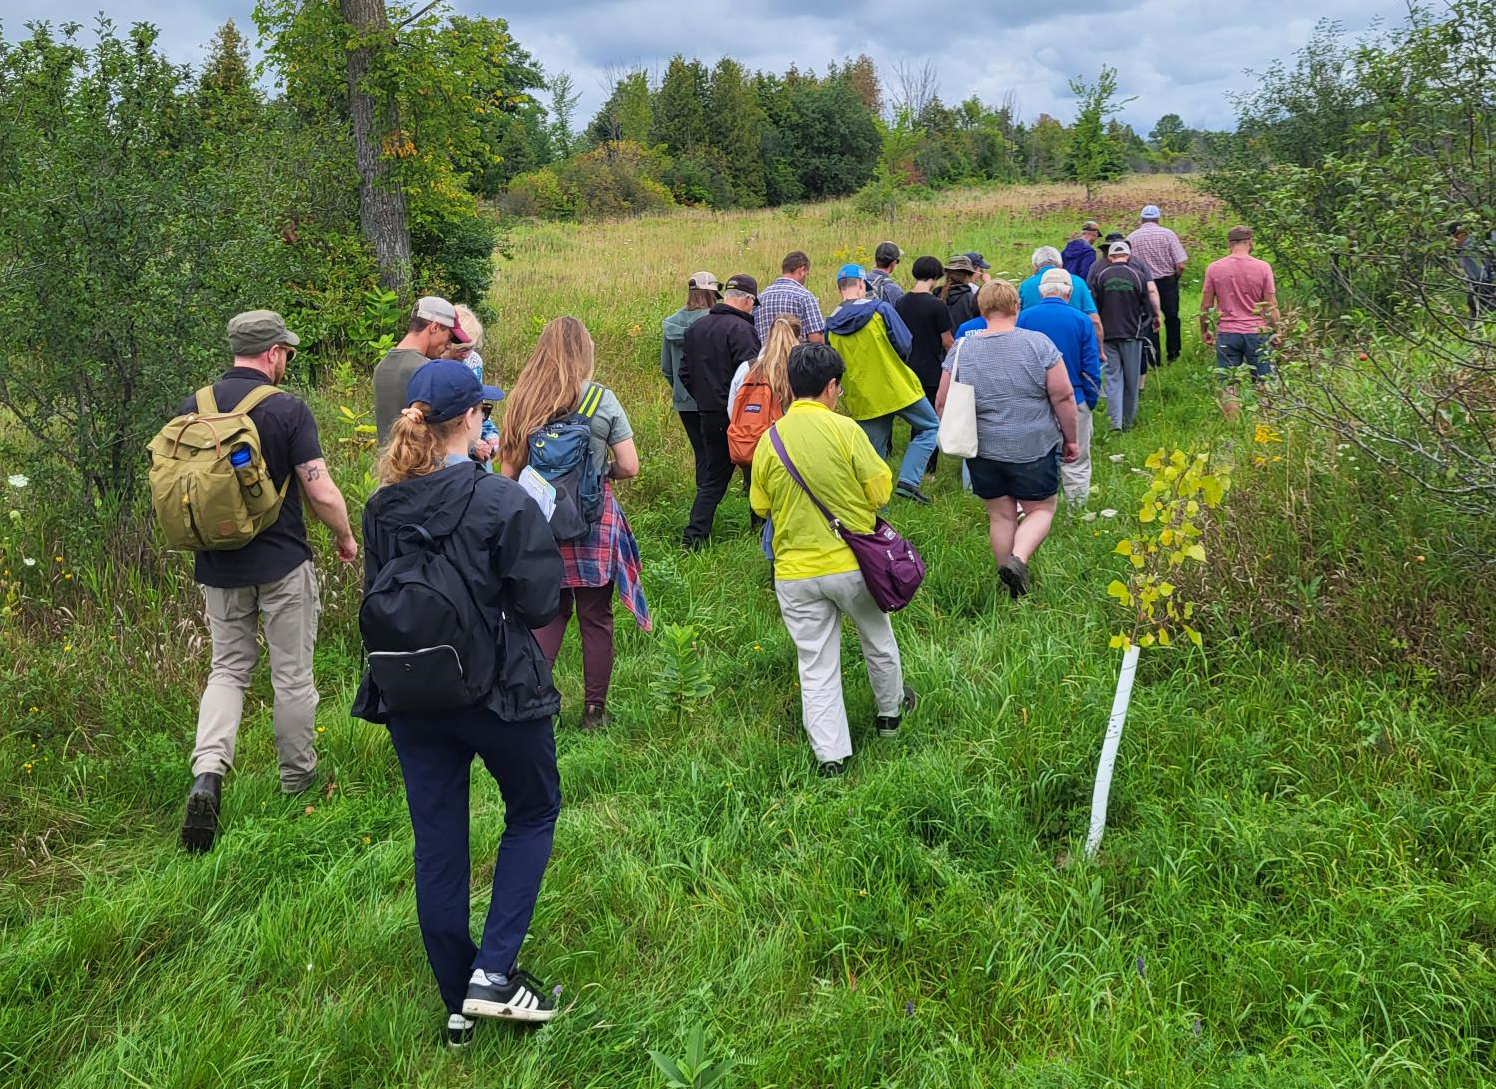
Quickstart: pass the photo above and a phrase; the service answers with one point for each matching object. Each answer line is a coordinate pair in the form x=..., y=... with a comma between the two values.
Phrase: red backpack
x=753, y=413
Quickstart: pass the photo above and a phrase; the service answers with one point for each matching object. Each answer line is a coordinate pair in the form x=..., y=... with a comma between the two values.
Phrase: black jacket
x=963, y=304
x=504, y=548
x=711, y=352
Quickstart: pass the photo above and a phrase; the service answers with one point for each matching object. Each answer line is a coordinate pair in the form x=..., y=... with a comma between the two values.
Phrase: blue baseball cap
x=976, y=260
x=450, y=388
x=851, y=272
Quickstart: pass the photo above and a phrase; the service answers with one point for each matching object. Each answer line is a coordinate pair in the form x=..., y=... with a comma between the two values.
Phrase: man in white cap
x=433, y=326
x=1128, y=315
x=1162, y=256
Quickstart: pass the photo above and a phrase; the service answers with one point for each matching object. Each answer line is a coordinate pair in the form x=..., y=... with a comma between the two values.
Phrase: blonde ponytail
x=416, y=448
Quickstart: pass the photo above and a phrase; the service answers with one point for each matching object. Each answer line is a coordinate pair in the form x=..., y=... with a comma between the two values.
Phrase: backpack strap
x=207, y=405
x=592, y=397
x=254, y=397
x=784, y=458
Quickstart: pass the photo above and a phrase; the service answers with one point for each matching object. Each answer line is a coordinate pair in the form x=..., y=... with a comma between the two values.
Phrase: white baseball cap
x=435, y=308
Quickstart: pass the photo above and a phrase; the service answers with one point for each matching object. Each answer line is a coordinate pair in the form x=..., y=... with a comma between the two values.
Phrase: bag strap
x=592, y=397
x=789, y=466
x=954, y=357
x=207, y=405
x=427, y=540
x=254, y=397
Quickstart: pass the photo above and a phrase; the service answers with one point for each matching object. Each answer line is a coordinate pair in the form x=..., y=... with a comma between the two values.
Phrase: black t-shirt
x=927, y=318
x=1121, y=293
x=288, y=438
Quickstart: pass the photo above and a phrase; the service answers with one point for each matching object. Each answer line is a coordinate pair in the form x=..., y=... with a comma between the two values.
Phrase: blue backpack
x=561, y=451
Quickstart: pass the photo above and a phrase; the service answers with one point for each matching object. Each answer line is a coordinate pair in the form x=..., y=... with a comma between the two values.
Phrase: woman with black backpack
x=459, y=566
x=553, y=394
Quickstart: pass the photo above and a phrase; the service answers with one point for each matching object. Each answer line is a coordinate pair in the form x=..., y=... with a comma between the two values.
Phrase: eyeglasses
x=290, y=352
x=487, y=410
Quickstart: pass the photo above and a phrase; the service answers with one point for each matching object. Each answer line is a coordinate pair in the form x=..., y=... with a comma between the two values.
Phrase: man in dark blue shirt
x=1075, y=337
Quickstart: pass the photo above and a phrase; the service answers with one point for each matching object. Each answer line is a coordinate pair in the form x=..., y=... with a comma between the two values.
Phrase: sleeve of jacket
x=898, y=332
x=374, y=557
x=1090, y=366
x=526, y=559
x=686, y=377
x=748, y=343
x=665, y=359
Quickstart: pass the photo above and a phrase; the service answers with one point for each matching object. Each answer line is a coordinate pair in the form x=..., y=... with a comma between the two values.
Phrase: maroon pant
x=594, y=606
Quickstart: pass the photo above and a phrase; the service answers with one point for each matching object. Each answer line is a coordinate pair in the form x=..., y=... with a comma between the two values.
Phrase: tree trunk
x=381, y=202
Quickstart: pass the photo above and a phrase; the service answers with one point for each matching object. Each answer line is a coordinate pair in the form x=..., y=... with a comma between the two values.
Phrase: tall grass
x=1296, y=889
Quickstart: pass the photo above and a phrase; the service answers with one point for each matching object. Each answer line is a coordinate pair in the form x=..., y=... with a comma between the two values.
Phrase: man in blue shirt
x=1056, y=316
x=1044, y=259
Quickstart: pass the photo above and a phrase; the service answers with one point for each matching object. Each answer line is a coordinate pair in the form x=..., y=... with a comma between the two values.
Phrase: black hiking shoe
x=912, y=493
x=1015, y=576
x=459, y=1032
x=888, y=725
x=200, y=825
x=830, y=769
x=518, y=996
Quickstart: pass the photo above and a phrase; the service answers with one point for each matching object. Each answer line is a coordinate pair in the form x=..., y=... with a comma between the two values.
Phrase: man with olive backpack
x=227, y=479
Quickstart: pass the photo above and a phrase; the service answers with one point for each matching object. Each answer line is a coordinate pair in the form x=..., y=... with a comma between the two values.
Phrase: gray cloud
x=1174, y=56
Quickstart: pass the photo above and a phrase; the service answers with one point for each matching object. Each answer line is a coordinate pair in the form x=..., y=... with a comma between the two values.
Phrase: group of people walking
x=485, y=536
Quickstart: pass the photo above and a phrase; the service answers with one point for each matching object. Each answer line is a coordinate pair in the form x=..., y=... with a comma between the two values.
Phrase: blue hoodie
x=852, y=316
x=1077, y=257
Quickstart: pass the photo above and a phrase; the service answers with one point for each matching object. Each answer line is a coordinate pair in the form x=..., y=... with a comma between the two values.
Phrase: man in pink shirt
x=1239, y=288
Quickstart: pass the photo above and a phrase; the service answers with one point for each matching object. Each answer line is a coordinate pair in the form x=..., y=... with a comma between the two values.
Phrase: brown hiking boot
x=595, y=717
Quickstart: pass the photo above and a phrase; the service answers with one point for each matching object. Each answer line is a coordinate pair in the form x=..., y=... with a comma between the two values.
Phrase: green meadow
x=1297, y=886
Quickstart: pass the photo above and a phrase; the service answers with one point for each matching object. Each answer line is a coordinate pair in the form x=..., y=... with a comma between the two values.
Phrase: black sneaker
x=516, y=997
x=1014, y=573
x=888, y=725
x=830, y=769
x=200, y=825
x=459, y=1032
x=912, y=493
x=594, y=718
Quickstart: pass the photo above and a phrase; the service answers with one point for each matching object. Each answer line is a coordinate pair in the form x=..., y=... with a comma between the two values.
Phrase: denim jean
x=924, y=426
x=1243, y=349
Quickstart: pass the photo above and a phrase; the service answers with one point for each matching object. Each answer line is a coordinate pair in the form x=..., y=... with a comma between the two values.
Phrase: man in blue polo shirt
x=1044, y=259
x=1056, y=316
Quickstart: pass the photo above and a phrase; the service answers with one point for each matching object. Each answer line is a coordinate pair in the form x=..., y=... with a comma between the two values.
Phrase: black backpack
x=430, y=647
x=561, y=452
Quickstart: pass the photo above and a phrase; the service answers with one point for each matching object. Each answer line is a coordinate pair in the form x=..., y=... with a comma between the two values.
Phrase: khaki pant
x=289, y=607
x=1075, y=476
x=812, y=610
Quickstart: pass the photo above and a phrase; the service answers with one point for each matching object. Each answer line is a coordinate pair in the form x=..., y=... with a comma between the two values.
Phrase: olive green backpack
x=203, y=500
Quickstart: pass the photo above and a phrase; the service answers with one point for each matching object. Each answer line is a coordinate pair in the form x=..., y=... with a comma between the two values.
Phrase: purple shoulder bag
x=890, y=565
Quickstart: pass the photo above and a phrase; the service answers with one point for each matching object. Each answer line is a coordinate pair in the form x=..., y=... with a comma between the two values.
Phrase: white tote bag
x=958, y=423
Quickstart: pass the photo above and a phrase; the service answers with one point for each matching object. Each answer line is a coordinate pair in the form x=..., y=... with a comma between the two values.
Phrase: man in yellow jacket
x=817, y=580
x=874, y=342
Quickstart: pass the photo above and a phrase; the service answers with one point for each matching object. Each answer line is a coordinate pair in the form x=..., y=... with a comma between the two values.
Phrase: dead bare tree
x=916, y=86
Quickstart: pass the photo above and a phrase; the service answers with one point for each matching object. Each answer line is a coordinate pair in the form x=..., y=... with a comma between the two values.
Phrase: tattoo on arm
x=312, y=470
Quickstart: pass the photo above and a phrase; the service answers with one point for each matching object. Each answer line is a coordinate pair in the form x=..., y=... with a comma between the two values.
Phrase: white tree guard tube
x=1109, y=746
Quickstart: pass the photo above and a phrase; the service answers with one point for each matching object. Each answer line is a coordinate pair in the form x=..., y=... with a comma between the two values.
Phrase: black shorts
x=1032, y=480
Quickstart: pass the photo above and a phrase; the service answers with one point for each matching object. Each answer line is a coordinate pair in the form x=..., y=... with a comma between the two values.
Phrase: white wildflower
x=18, y=480
x=1116, y=458
x=1089, y=516
x=1108, y=513
x=29, y=562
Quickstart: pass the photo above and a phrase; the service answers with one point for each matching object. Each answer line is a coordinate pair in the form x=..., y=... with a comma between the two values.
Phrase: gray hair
x=733, y=293
x=1054, y=289
x=1045, y=255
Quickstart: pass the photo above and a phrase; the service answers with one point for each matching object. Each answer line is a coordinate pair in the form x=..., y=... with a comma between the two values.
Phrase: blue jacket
x=1078, y=256
x=852, y=316
x=1075, y=337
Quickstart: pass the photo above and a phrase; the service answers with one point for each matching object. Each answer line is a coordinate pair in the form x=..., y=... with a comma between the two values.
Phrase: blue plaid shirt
x=785, y=296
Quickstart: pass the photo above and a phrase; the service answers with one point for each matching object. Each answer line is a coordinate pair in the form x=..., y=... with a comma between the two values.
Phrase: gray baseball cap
x=254, y=331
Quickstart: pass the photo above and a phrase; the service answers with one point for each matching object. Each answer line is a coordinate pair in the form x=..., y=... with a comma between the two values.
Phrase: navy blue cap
x=977, y=262
x=450, y=388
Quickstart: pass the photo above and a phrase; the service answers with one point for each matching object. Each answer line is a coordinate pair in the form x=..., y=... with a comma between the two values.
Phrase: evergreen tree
x=680, y=108
x=736, y=132
x=563, y=109
x=227, y=97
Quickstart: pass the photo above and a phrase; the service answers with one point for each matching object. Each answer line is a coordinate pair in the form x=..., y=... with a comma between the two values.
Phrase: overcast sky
x=1176, y=56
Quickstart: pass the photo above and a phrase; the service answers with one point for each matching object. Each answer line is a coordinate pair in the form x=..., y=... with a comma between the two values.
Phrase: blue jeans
x=925, y=428
x=436, y=754
x=1238, y=349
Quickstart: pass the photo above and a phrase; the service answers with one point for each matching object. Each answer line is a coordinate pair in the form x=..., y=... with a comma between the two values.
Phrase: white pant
x=812, y=610
x=1075, y=476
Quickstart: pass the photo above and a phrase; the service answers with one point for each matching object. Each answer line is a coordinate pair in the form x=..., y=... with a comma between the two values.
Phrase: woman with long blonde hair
x=771, y=369
x=483, y=690
x=551, y=387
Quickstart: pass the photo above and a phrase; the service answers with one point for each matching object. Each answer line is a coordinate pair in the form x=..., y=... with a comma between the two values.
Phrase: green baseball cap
x=253, y=331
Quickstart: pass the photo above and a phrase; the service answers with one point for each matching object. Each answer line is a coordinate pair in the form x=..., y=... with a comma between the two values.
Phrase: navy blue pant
x=436, y=754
